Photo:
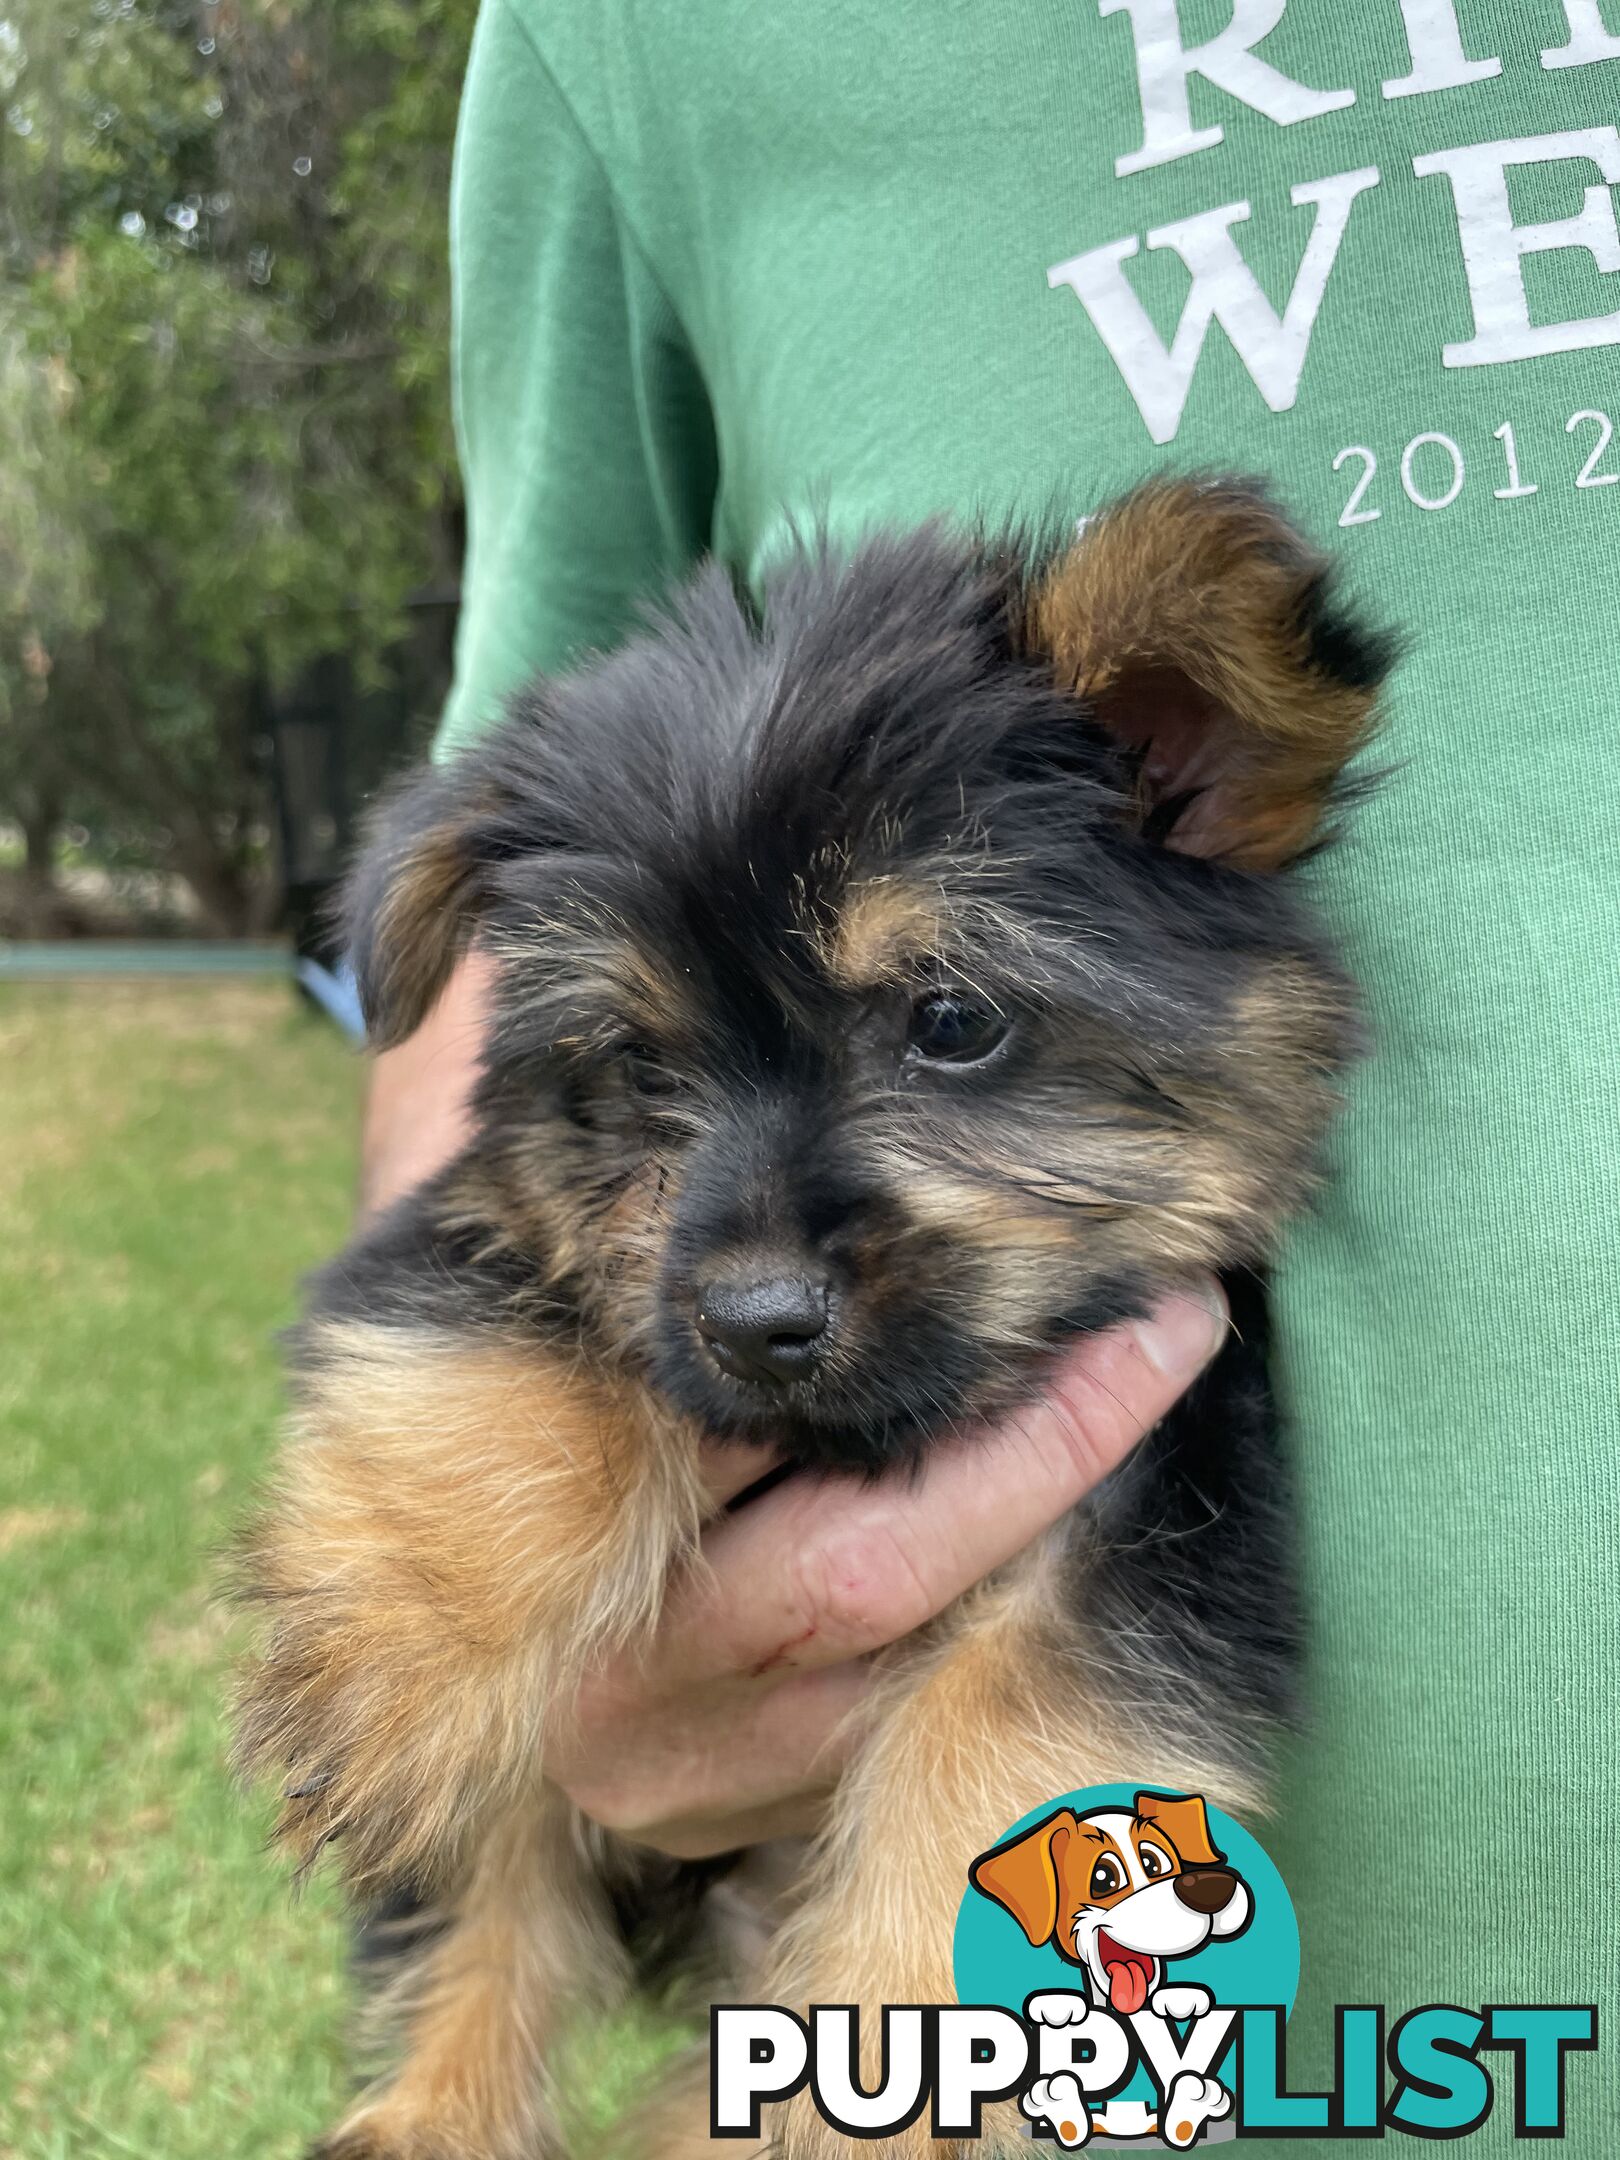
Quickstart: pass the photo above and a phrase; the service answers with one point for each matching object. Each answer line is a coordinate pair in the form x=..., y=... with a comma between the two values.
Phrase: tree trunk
x=223, y=891
x=42, y=908
x=39, y=825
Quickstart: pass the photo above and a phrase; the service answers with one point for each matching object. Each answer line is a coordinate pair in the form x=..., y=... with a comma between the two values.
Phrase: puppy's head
x=891, y=987
x=1118, y=1891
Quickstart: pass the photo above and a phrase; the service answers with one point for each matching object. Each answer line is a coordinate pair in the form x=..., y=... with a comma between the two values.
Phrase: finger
x=798, y=1740
x=418, y=1105
x=728, y=1467
x=821, y=1570
x=641, y=1767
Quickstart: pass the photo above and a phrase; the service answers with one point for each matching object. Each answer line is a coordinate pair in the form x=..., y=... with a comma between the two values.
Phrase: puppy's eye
x=645, y=1073
x=949, y=1028
x=1107, y=1877
x=1154, y=1863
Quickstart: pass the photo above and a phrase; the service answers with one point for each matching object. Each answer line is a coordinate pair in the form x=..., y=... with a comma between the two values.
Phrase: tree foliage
x=224, y=433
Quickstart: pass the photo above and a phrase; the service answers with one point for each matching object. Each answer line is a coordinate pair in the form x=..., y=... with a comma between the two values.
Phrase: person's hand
x=732, y=1727
x=416, y=1106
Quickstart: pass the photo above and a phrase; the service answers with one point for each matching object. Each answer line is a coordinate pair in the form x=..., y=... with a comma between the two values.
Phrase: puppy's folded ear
x=423, y=881
x=1022, y=1875
x=1203, y=634
x=410, y=904
x=1185, y=1823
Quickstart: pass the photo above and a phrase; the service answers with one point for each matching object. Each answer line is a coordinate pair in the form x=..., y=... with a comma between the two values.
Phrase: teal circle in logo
x=996, y=1962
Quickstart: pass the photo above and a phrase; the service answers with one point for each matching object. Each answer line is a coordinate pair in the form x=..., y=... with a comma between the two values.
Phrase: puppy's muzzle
x=1206, y=1890
x=768, y=1329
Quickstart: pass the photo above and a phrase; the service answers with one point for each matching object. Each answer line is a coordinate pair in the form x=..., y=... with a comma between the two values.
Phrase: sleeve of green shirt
x=586, y=441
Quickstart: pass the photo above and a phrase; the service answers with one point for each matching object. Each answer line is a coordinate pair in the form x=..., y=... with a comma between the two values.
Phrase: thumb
x=825, y=1569
x=1113, y=1388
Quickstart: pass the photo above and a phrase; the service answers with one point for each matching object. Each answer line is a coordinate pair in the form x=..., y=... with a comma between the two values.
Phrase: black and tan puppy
x=888, y=990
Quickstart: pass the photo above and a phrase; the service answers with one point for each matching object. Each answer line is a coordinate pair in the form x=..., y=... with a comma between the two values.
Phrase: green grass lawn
x=171, y=1159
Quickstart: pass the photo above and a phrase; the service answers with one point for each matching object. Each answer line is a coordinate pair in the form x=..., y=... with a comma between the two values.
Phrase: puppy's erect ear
x=1022, y=1875
x=415, y=895
x=1185, y=1823
x=1202, y=632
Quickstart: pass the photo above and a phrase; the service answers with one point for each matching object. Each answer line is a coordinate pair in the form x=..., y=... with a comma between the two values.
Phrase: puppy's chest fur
x=888, y=992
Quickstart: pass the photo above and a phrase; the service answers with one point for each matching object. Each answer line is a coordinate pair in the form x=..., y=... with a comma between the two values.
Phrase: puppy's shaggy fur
x=889, y=989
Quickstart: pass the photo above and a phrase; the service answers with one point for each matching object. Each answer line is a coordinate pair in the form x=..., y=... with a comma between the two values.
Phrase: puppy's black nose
x=1206, y=1890
x=770, y=1329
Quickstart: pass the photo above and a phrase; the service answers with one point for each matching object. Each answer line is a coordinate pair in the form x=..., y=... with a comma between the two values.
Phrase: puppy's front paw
x=1191, y=2102
x=369, y=2144
x=1182, y=2002
x=361, y=2141
x=384, y=2135
x=1058, y=2104
x=797, y=2131
x=1064, y=2006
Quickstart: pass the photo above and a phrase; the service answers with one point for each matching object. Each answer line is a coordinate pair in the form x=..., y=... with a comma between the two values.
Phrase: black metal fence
x=335, y=741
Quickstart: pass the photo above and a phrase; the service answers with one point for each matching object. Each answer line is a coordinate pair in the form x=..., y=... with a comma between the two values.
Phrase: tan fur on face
x=459, y=1524
x=1188, y=606
x=1124, y=1192
x=606, y=1229
x=609, y=973
x=885, y=927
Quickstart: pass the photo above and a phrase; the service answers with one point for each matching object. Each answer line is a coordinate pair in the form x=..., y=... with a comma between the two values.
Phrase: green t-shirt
x=720, y=262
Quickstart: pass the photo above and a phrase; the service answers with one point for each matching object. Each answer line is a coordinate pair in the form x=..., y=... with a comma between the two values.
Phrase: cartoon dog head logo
x=1118, y=1891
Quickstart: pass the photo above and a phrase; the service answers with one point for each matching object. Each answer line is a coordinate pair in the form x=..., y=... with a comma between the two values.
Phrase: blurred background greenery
x=230, y=532
x=172, y=1156
x=228, y=501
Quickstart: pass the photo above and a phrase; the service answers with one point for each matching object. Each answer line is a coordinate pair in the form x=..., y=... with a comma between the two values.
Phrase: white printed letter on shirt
x=1588, y=40
x=1494, y=247
x=1438, y=59
x=1164, y=64
x=1224, y=290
